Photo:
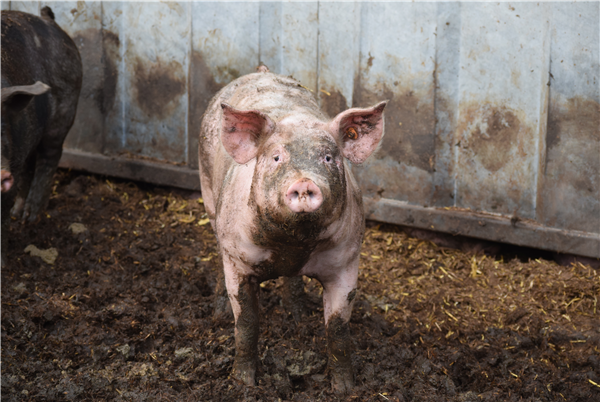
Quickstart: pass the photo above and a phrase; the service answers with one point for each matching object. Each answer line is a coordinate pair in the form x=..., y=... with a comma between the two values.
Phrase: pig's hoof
x=245, y=372
x=29, y=216
x=31, y=212
x=18, y=207
x=342, y=382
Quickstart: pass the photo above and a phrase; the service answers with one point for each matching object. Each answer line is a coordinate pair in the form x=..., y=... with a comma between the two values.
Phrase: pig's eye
x=328, y=158
x=276, y=158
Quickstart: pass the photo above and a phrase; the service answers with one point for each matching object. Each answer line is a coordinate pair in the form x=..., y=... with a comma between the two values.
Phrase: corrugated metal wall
x=492, y=129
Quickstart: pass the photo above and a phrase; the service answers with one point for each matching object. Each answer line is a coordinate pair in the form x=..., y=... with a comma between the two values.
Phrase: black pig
x=41, y=80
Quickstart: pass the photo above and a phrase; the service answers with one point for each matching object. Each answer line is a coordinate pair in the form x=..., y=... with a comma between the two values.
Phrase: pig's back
x=275, y=95
x=37, y=49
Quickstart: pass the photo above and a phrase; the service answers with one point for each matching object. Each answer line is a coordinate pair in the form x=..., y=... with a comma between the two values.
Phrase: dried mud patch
x=125, y=314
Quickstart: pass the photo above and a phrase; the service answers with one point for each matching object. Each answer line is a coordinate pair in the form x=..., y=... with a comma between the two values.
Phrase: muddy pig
x=41, y=80
x=282, y=200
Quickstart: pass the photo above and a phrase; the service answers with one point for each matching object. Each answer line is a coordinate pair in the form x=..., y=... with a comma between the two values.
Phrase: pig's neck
x=289, y=244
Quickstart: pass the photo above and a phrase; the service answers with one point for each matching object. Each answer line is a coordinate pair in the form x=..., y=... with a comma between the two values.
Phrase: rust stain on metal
x=203, y=87
x=496, y=173
x=158, y=86
x=578, y=116
x=571, y=191
x=443, y=180
x=89, y=44
x=97, y=91
x=113, y=118
x=98, y=46
x=491, y=132
x=409, y=123
x=111, y=44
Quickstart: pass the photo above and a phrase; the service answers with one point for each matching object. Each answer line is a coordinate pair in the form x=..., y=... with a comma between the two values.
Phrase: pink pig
x=282, y=200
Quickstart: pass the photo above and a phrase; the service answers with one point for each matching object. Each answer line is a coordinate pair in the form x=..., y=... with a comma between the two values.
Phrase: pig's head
x=299, y=182
x=14, y=100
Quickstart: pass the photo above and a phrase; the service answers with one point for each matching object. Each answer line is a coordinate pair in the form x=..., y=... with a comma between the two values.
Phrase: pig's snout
x=7, y=181
x=304, y=196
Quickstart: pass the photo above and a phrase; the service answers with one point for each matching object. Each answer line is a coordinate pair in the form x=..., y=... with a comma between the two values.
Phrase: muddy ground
x=124, y=313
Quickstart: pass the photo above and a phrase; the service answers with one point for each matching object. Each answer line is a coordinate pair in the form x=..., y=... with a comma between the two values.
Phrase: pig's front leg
x=338, y=298
x=243, y=295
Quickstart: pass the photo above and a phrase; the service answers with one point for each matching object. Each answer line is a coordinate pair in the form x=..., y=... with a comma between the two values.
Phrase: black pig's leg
x=338, y=298
x=24, y=179
x=243, y=295
x=48, y=155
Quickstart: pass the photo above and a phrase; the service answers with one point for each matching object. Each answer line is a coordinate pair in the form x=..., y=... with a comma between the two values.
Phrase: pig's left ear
x=242, y=130
x=360, y=131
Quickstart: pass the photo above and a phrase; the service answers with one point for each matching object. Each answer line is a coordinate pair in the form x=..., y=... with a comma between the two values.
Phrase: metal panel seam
x=540, y=152
x=455, y=147
x=318, y=54
x=187, y=84
x=435, y=95
x=123, y=90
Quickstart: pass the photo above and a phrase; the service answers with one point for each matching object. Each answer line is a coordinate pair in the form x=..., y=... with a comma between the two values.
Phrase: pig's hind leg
x=23, y=185
x=63, y=103
x=243, y=295
x=48, y=155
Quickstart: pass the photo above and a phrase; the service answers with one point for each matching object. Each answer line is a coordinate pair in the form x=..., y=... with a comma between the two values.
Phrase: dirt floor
x=124, y=313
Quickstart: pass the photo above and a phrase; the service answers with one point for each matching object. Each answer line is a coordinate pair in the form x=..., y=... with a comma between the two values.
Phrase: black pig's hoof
x=18, y=207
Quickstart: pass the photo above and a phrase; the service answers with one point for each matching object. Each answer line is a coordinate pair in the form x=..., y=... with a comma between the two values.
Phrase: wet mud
x=125, y=313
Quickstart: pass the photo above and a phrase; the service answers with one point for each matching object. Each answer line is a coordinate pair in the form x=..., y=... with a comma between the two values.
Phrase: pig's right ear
x=242, y=130
x=18, y=97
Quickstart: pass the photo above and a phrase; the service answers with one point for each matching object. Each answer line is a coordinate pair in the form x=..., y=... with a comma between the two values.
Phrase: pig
x=280, y=195
x=41, y=81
